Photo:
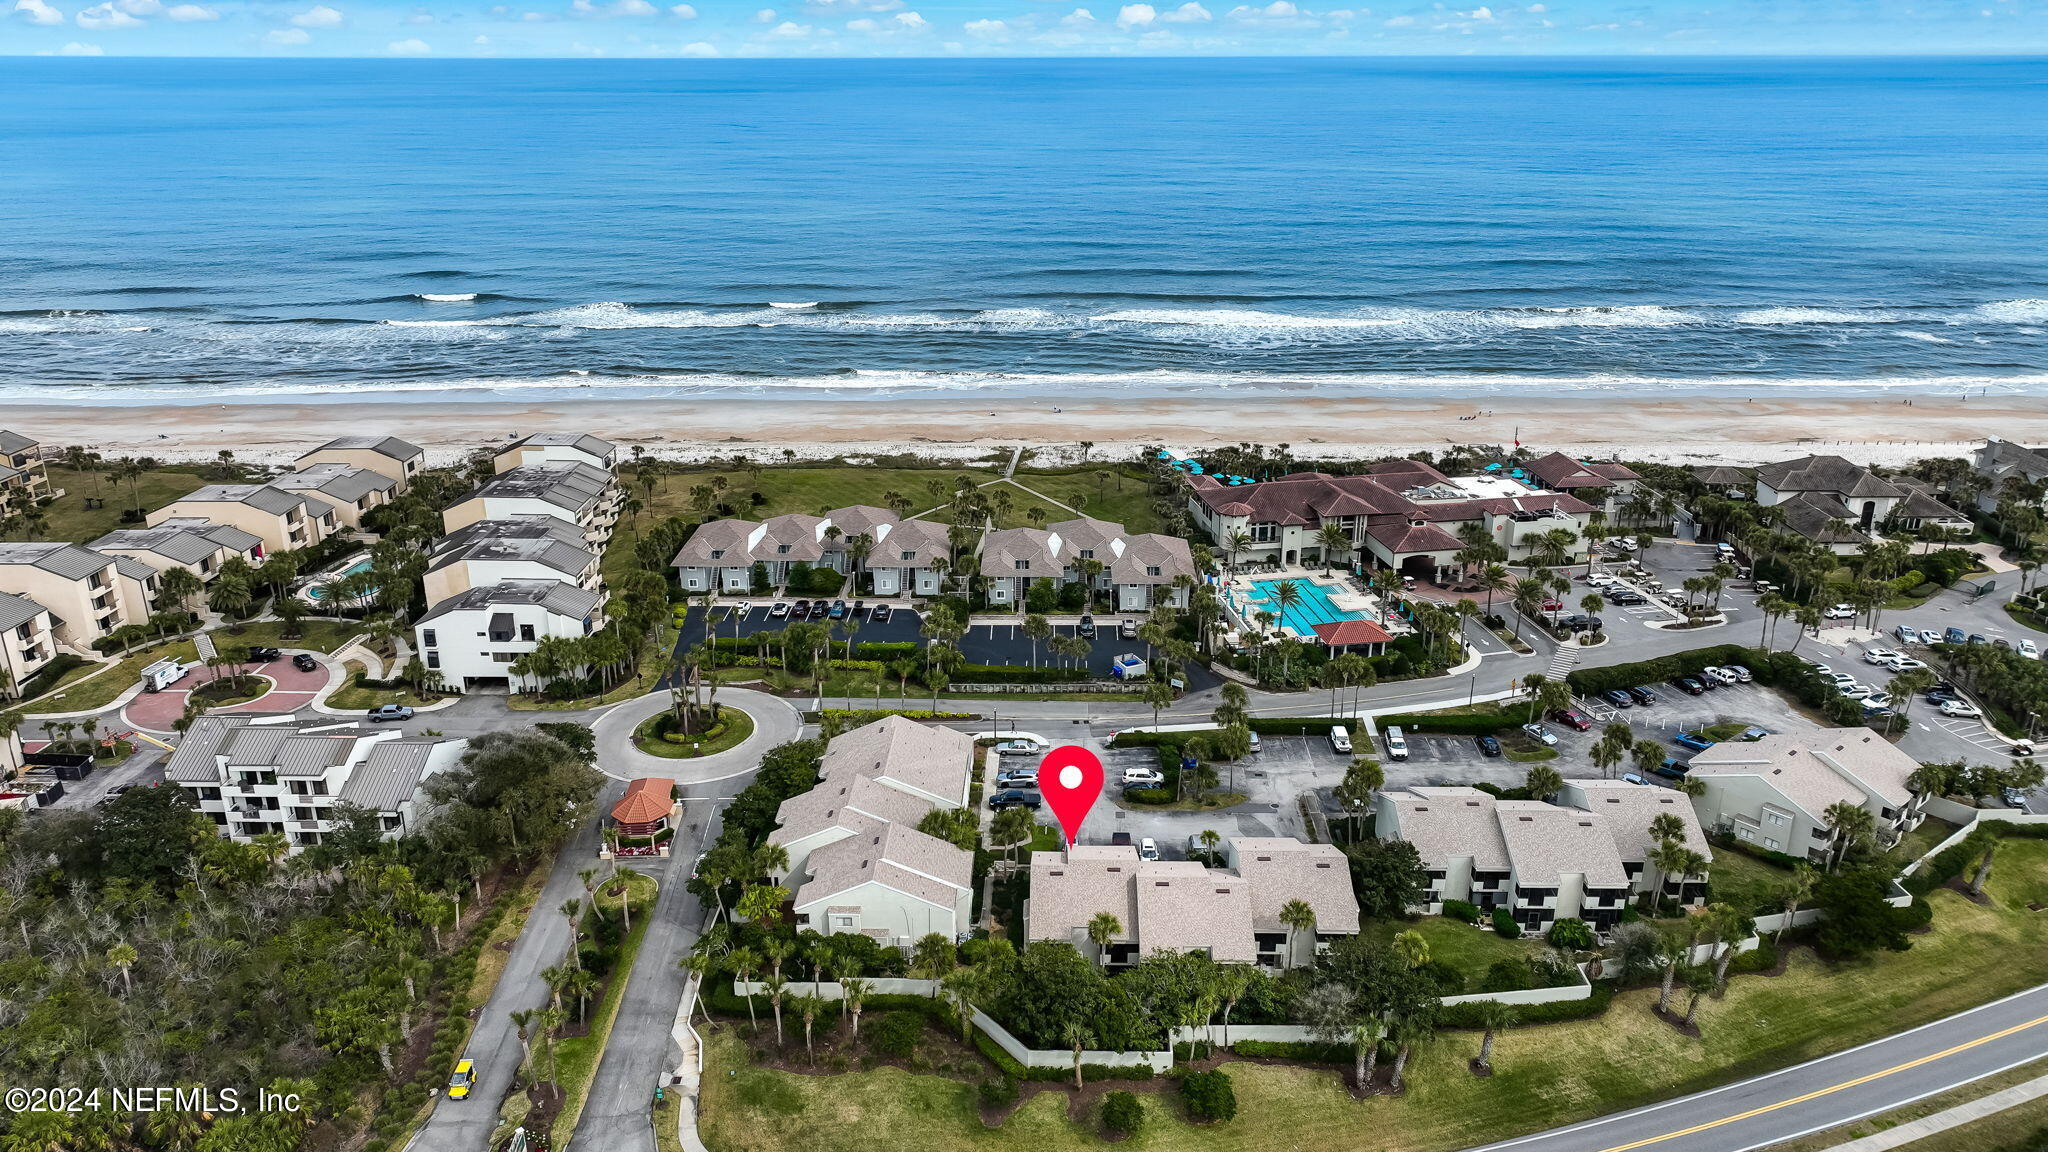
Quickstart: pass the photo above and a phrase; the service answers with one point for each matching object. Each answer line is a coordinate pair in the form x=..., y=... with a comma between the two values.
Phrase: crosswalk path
x=1563, y=661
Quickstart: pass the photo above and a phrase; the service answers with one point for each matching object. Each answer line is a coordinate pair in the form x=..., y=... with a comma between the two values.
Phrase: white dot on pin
x=1070, y=776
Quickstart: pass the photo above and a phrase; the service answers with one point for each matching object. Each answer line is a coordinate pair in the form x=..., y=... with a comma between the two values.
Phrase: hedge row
x=1473, y=1015
x=1266, y=726
x=1453, y=723
x=1593, y=681
x=1017, y=674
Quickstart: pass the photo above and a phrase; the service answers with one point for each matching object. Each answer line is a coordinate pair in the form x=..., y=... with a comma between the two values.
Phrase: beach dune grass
x=1544, y=1076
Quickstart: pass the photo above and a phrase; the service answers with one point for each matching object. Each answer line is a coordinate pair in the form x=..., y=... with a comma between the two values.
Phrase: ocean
x=265, y=230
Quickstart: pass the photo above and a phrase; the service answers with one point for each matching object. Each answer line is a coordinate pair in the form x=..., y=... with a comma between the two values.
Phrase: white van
x=1340, y=739
x=1397, y=745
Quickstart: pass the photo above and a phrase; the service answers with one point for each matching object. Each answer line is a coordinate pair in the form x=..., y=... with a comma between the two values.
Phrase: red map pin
x=1070, y=779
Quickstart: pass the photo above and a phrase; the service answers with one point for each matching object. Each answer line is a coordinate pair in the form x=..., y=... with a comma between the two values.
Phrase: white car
x=1599, y=579
x=1905, y=664
x=1625, y=543
x=1879, y=656
x=1148, y=849
x=1539, y=733
x=1724, y=675
x=1961, y=708
x=1017, y=748
x=1877, y=700
x=1840, y=612
x=1858, y=691
x=2029, y=649
x=1741, y=674
x=1930, y=636
x=1838, y=679
x=1143, y=778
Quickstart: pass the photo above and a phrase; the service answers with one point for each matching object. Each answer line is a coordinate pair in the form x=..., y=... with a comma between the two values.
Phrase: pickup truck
x=384, y=712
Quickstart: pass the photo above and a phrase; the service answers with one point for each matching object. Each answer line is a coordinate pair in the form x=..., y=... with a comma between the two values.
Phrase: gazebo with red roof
x=646, y=807
x=1361, y=636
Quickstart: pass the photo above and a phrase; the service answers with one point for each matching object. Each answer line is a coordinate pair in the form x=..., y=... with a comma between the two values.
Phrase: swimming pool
x=1312, y=608
x=319, y=591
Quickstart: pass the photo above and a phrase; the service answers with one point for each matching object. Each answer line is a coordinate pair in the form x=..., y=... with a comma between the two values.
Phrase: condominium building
x=282, y=519
x=86, y=593
x=28, y=641
x=895, y=556
x=493, y=551
x=1138, y=570
x=200, y=547
x=558, y=448
x=472, y=639
x=23, y=477
x=579, y=494
x=353, y=492
x=385, y=455
x=1775, y=792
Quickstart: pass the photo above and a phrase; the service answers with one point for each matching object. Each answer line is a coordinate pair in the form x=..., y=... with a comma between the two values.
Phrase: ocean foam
x=1767, y=317
x=2015, y=311
x=445, y=297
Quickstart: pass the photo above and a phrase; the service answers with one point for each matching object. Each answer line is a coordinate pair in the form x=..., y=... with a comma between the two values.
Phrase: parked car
x=1907, y=634
x=1488, y=745
x=1017, y=748
x=1858, y=691
x=1839, y=679
x=1961, y=709
x=2030, y=650
x=263, y=655
x=860, y=609
x=779, y=610
x=1120, y=840
x=2001, y=642
x=1256, y=746
x=1877, y=700
x=800, y=610
x=1340, y=739
x=1979, y=638
x=1905, y=664
x=880, y=615
x=1632, y=778
x=385, y=712
x=1952, y=635
x=1840, y=612
x=1028, y=778
x=1571, y=718
x=2013, y=797
x=1086, y=627
x=1141, y=777
x=1540, y=734
x=1625, y=597
x=1879, y=655
x=741, y=610
x=1930, y=635
x=1618, y=698
x=838, y=610
x=1671, y=769
x=1688, y=685
x=305, y=662
x=1148, y=848
x=1724, y=675
x=1692, y=740
x=1127, y=630
x=1553, y=604
x=1642, y=696
x=1014, y=798
x=1742, y=675
x=1396, y=742
x=1753, y=733
x=1580, y=622
x=1940, y=695
x=820, y=610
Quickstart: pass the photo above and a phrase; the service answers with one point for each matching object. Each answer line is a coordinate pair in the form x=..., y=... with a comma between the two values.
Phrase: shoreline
x=1694, y=429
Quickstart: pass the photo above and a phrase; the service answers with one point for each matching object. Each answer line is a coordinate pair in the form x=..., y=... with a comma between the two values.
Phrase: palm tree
x=1299, y=916
x=1237, y=542
x=1852, y=826
x=1103, y=929
x=853, y=991
x=776, y=949
x=1493, y=1016
x=122, y=956
x=1543, y=782
x=1796, y=890
x=742, y=961
x=1331, y=540
x=1413, y=947
x=1078, y=1035
x=933, y=956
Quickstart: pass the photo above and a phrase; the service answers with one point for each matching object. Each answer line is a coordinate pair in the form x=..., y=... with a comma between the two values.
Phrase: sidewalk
x=1954, y=1117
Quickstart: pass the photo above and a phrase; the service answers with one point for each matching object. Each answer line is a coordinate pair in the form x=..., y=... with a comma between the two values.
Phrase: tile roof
x=1830, y=474
x=55, y=557
x=1345, y=633
x=1816, y=768
x=1558, y=470
x=1403, y=539
x=1278, y=869
x=646, y=800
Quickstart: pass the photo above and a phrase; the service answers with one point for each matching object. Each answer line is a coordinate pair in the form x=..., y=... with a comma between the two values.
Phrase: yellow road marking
x=1819, y=1092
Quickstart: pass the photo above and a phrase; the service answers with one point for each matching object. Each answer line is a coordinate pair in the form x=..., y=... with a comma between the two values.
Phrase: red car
x=1570, y=718
x=1552, y=604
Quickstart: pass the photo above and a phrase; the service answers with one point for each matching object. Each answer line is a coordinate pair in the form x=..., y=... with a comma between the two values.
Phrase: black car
x=1643, y=696
x=880, y=615
x=1624, y=596
x=820, y=609
x=1488, y=746
x=304, y=662
x=264, y=655
x=1086, y=627
x=800, y=610
x=860, y=609
x=1618, y=698
x=1014, y=798
x=1688, y=685
x=1941, y=695
x=1579, y=622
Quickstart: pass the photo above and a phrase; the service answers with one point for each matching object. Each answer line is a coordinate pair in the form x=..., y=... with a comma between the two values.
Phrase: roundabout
x=773, y=721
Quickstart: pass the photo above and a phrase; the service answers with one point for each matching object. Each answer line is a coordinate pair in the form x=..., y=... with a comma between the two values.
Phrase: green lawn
x=1744, y=882
x=100, y=690
x=1544, y=1076
x=313, y=635
x=1106, y=492
x=1469, y=948
x=577, y=1057
x=70, y=520
x=736, y=727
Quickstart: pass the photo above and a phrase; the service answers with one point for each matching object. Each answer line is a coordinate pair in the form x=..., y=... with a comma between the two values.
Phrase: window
x=429, y=639
x=1023, y=565
x=906, y=556
x=1152, y=570
x=718, y=553
x=1745, y=834
x=504, y=657
x=526, y=632
x=1771, y=844
x=1778, y=819
x=1087, y=553
x=433, y=659
x=781, y=548
x=1266, y=533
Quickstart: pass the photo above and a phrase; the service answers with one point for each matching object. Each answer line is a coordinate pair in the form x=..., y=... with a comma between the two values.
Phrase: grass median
x=578, y=1056
x=1544, y=1076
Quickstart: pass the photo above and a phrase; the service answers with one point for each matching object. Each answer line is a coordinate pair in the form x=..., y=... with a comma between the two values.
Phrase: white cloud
x=682, y=12
x=482, y=41
x=288, y=37
x=864, y=24
x=912, y=21
x=1279, y=11
x=1538, y=8
x=765, y=16
x=318, y=16
x=617, y=8
x=1079, y=18
x=103, y=16
x=791, y=30
x=38, y=12
x=1188, y=13
x=408, y=47
x=700, y=48
x=1135, y=15
x=140, y=7
x=75, y=49
x=1480, y=13
x=986, y=29
x=1398, y=21
x=190, y=14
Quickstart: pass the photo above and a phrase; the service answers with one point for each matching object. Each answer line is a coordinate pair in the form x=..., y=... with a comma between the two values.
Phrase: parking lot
x=981, y=644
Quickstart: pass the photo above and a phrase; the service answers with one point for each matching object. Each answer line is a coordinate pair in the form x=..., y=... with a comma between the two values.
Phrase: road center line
x=1819, y=1092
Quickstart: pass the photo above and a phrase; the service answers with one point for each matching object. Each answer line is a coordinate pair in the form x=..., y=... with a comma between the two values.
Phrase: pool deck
x=1345, y=600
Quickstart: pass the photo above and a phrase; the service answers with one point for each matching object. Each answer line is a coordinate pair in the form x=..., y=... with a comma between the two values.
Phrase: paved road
x=641, y=1051
x=1823, y=1093
x=465, y=1125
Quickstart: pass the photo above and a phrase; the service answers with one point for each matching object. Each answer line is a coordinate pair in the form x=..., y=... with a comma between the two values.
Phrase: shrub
x=1448, y=977
x=1473, y=1015
x=1508, y=975
x=1208, y=1095
x=1504, y=925
x=1452, y=723
x=1570, y=933
x=1148, y=795
x=997, y=1092
x=1122, y=1115
x=897, y=1033
x=1306, y=1051
x=1017, y=674
x=1462, y=911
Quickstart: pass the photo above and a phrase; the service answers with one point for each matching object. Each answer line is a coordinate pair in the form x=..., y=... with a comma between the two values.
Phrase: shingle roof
x=1125, y=557
x=13, y=442
x=560, y=598
x=1447, y=824
x=920, y=866
x=935, y=762
x=721, y=543
x=1722, y=475
x=1546, y=843
x=1627, y=809
x=924, y=540
x=1068, y=890
x=18, y=610
x=1183, y=906
x=1816, y=768
x=848, y=801
x=390, y=446
x=790, y=537
x=1831, y=474
x=55, y=557
x=1818, y=516
x=1280, y=869
x=859, y=519
x=1002, y=550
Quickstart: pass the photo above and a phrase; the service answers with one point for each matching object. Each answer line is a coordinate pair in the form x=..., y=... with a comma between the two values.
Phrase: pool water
x=319, y=591
x=1312, y=608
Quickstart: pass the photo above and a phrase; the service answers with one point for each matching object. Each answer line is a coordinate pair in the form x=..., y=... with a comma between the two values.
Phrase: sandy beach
x=1876, y=430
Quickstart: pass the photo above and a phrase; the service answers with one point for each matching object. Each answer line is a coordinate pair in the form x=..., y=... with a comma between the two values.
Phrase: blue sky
x=798, y=28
